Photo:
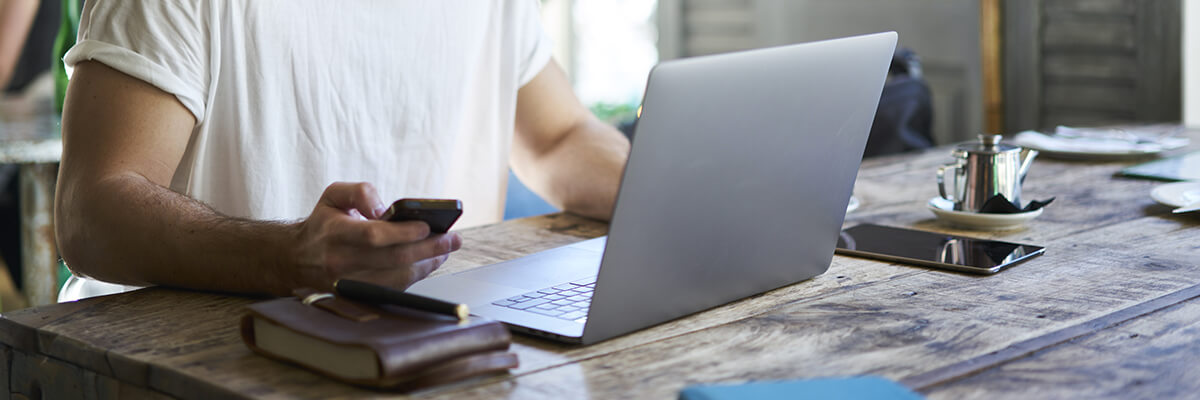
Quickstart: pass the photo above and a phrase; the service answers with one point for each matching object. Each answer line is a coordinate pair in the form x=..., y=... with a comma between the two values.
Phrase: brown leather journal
x=380, y=346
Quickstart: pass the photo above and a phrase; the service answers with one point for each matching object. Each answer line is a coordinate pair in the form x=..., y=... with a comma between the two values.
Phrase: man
x=250, y=146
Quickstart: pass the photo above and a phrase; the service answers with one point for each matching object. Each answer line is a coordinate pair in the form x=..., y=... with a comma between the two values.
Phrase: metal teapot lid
x=988, y=144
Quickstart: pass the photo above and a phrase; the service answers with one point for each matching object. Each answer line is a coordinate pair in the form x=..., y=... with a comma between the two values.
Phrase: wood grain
x=901, y=327
x=1110, y=249
x=1090, y=67
x=1105, y=98
x=109, y=388
x=19, y=329
x=1103, y=8
x=1116, y=211
x=1022, y=65
x=1091, y=62
x=1153, y=357
x=962, y=370
x=210, y=355
x=1159, y=55
x=1076, y=31
x=36, y=376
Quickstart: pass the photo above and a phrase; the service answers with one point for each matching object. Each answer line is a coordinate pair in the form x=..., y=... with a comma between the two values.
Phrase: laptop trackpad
x=541, y=270
x=457, y=289
x=509, y=278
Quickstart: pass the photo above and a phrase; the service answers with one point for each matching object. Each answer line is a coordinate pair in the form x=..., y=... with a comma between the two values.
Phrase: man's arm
x=562, y=151
x=116, y=219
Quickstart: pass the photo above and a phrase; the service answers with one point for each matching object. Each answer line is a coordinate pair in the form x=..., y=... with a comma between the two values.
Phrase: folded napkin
x=1148, y=139
x=999, y=204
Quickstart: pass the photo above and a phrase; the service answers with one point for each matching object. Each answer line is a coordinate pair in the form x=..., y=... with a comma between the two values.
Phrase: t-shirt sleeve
x=536, y=46
x=164, y=43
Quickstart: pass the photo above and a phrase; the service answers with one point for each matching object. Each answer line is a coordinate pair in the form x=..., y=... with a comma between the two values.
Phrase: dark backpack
x=904, y=119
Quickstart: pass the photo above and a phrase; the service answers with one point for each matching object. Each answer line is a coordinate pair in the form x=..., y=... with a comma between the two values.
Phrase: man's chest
x=366, y=65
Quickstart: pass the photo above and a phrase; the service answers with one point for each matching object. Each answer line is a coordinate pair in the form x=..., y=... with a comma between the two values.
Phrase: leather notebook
x=380, y=346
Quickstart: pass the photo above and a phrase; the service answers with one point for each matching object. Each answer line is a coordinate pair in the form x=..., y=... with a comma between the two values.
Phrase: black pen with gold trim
x=376, y=294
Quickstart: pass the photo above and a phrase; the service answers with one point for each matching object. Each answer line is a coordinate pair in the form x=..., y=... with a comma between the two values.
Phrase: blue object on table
x=522, y=202
x=864, y=387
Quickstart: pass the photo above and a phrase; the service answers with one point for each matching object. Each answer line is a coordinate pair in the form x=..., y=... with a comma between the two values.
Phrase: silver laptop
x=741, y=169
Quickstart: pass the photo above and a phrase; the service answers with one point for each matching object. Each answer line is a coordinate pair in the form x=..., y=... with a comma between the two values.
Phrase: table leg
x=38, y=252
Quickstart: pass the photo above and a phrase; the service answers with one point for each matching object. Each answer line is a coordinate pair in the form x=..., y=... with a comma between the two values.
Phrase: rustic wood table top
x=1109, y=311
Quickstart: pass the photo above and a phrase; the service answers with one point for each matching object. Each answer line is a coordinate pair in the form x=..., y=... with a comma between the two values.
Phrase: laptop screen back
x=739, y=177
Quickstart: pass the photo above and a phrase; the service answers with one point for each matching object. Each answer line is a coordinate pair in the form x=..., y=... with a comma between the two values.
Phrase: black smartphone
x=440, y=214
x=938, y=250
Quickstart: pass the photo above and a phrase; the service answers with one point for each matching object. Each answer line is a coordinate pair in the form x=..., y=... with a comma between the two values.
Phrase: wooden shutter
x=1091, y=62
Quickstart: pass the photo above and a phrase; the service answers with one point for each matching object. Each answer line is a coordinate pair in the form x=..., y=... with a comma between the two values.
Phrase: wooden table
x=30, y=138
x=1110, y=311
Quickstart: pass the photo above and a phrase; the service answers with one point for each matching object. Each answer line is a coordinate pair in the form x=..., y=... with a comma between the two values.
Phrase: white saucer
x=944, y=209
x=1177, y=194
x=853, y=204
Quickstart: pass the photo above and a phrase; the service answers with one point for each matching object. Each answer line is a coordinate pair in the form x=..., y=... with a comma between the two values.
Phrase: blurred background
x=989, y=65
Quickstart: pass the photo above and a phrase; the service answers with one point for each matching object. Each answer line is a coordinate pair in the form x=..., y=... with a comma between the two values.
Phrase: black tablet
x=1184, y=167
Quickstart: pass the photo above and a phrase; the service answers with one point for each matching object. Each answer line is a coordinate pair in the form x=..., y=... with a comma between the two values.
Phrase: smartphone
x=440, y=214
x=937, y=250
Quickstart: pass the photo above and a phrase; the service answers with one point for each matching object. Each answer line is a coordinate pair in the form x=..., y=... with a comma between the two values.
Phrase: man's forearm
x=116, y=219
x=128, y=229
x=581, y=174
x=562, y=151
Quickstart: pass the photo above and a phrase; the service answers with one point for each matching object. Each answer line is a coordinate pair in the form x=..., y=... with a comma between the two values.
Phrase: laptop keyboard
x=567, y=301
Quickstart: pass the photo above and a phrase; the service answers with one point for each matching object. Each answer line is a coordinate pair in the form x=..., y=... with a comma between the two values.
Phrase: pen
x=376, y=294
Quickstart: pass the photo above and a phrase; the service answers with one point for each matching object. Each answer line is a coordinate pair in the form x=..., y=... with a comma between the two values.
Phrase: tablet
x=932, y=249
x=1184, y=167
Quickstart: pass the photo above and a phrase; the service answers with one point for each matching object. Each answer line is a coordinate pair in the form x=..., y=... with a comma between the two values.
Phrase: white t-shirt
x=416, y=97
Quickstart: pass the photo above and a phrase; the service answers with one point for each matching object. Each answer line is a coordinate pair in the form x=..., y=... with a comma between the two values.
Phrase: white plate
x=1177, y=194
x=1094, y=155
x=853, y=204
x=944, y=209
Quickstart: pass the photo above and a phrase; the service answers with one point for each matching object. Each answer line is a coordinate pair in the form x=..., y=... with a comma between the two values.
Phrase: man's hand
x=343, y=238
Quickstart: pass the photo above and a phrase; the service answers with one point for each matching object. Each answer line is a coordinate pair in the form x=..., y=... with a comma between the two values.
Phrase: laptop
x=737, y=183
